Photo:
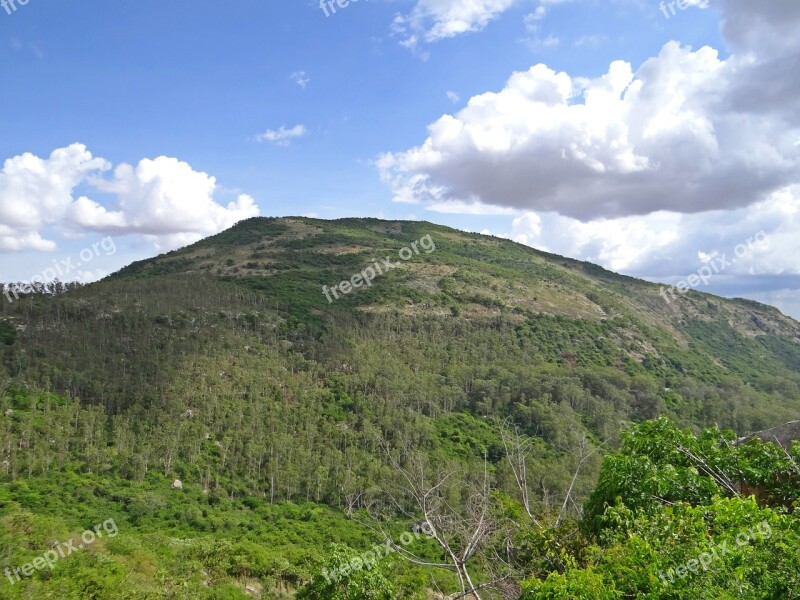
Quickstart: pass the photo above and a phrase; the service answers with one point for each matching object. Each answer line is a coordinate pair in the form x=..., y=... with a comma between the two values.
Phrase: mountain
x=243, y=367
x=468, y=327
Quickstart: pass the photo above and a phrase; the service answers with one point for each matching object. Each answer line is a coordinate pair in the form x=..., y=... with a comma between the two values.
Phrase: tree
x=458, y=512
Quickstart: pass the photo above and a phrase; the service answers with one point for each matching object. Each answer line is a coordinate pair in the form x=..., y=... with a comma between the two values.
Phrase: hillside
x=226, y=366
x=556, y=311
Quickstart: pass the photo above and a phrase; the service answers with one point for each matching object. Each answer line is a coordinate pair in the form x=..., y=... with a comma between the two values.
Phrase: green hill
x=225, y=365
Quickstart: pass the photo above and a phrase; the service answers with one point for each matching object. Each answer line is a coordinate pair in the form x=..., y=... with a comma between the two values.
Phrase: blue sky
x=158, y=123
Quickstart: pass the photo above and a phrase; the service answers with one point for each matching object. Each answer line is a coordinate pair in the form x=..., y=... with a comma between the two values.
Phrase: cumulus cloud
x=686, y=132
x=282, y=136
x=668, y=246
x=35, y=192
x=652, y=170
x=163, y=199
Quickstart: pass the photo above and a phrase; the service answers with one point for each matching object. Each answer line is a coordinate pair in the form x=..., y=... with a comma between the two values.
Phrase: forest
x=504, y=422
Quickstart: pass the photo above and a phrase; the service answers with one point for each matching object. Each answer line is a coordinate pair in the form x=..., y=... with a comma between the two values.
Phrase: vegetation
x=494, y=376
x=670, y=519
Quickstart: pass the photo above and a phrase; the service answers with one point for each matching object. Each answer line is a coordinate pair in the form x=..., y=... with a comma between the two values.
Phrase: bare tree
x=456, y=510
x=463, y=529
x=517, y=448
x=585, y=452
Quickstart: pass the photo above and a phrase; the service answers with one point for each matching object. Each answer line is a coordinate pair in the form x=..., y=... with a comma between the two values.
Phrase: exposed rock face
x=783, y=435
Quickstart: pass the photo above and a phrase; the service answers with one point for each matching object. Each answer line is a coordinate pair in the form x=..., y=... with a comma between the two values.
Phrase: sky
x=659, y=140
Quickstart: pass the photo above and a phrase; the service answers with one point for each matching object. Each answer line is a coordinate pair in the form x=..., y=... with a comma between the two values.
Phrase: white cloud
x=282, y=136
x=534, y=40
x=531, y=20
x=648, y=171
x=454, y=98
x=300, y=78
x=430, y=21
x=163, y=199
x=669, y=245
x=36, y=192
x=433, y=20
x=687, y=132
x=617, y=244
